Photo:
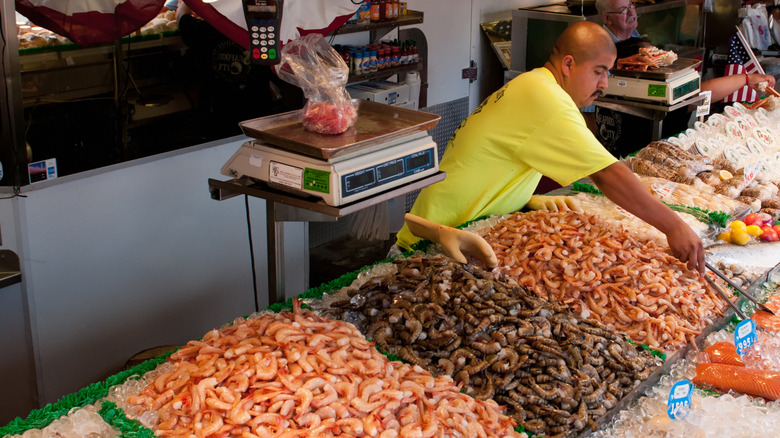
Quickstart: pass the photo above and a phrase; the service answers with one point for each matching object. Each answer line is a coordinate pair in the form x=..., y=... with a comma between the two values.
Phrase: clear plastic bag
x=313, y=65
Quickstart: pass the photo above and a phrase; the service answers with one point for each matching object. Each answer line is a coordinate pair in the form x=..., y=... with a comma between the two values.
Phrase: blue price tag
x=744, y=336
x=679, y=396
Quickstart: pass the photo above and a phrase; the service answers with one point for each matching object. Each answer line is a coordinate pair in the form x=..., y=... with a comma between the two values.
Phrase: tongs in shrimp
x=750, y=297
x=725, y=297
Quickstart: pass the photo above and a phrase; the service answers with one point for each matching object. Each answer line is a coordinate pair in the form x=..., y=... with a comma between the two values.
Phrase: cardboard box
x=380, y=91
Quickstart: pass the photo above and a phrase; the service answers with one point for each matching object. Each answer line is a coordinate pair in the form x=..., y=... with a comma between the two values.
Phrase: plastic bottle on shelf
x=396, y=56
x=345, y=55
x=372, y=63
x=376, y=11
x=415, y=54
x=380, y=58
x=405, y=54
x=382, y=10
x=357, y=63
x=365, y=67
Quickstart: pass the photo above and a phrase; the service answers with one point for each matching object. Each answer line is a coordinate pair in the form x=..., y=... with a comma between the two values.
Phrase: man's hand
x=623, y=188
x=553, y=203
x=686, y=246
x=760, y=82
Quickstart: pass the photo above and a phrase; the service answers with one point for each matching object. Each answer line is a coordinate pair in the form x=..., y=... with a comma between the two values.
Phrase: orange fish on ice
x=767, y=321
x=724, y=352
x=759, y=383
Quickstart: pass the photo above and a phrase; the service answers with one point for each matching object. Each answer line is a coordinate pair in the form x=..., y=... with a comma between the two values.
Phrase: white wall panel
x=137, y=257
x=447, y=30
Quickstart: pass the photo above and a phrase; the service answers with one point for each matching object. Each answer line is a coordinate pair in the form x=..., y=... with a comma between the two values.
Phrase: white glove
x=553, y=203
x=454, y=242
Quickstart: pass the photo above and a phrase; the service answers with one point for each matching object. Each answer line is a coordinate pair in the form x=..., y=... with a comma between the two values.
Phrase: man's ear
x=566, y=64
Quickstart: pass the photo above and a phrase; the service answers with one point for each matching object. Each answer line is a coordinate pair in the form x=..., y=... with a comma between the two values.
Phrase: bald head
x=580, y=61
x=585, y=41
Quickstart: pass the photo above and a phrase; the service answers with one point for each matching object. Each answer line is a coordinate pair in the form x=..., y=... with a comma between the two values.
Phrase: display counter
x=568, y=324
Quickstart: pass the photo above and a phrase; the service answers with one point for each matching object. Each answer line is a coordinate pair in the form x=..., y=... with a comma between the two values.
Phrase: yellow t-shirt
x=495, y=159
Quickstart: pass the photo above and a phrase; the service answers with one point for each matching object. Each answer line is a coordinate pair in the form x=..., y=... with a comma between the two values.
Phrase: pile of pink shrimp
x=297, y=374
x=600, y=271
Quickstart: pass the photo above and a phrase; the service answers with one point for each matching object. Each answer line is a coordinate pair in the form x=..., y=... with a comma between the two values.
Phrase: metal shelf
x=411, y=17
x=386, y=73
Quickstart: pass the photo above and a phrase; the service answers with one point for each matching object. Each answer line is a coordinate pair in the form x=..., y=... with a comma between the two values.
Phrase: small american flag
x=739, y=62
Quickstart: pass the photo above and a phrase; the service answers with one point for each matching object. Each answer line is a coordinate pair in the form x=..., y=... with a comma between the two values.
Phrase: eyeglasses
x=624, y=10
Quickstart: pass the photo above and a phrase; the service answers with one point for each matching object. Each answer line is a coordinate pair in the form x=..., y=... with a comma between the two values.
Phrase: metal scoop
x=454, y=242
x=723, y=277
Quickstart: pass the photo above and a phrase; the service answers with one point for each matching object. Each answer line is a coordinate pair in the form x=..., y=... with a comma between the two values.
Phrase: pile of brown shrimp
x=600, y=271
x=301, y=375
x=556, y=373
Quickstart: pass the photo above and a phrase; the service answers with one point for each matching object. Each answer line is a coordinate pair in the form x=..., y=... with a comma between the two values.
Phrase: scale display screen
x=355, y=181
x=385, y=172
x=685, y=88
x=390, y=169
x=419, y=161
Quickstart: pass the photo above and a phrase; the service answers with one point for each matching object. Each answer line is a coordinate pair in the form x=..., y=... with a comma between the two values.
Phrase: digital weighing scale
x=666, y=85
x=388, y=147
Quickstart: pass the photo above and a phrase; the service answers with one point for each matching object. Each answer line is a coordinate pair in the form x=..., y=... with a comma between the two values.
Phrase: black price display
x=358, y=180
x=422, y=160
x=263, y=21
x=390, y=169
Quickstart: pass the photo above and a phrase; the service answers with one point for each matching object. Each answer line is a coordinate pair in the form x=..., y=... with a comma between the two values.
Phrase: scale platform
x=667, y=85
x=388, y=147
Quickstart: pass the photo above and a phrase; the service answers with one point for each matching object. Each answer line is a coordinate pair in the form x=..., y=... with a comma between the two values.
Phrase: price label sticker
x=679, y=397
x=704, y=109
x=744, y=336
x=624, y=212
x=750, y=173
x=663, y=190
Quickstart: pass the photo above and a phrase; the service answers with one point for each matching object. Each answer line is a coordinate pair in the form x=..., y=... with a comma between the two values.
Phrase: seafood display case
x=581, y=330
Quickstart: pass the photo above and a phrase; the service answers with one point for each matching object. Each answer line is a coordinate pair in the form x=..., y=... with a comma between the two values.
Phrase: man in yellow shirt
x=532, y=127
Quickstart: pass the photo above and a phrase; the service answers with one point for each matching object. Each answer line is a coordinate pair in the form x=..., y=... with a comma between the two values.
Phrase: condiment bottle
x=357, y=63
x=365, y=67
x=396, y=56
x=376, y=11
x=380, y=58
x=347, y=59
x=372, y=67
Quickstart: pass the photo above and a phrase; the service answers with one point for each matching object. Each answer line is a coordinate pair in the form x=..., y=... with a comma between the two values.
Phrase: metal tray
x=376, y=123
x=663, y=73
